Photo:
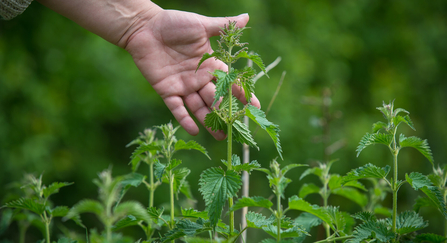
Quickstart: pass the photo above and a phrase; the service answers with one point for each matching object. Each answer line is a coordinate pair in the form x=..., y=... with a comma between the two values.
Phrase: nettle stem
x=395, y=152
x=230, y=144
x=47, y=228
x=279, y=216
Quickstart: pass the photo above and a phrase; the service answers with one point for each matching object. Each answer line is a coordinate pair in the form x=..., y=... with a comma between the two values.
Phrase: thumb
x=213, y=25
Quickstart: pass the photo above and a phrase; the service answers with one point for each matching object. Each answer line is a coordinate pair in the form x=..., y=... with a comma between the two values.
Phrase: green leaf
x=127, y=181
x=372, y=229
x=180, y=144
x=429, y=237
x=131, y=208
x=379, y=125
x=372, y=139
x=85, y=206
x=409, y=221
x=54, y=188
x=258, y=116
x=217, y=186
x=417, y=143
x=365, y=216
x=180, y=180
x=242, y=134
x=143, y=148
x=307, y=221
x=297, y=203
x=223, y=83
x=337, y=218
x=59, y=211
x=225, y=104
x=213, y=121
x=247, y=166
x=185, y=227
x=206, y=56
x=352, y=194
x=296, y=231
x=192, y=213
x=247, y=83
x=127, y=221
x=186, y=190
x=257, y=221
x=288, y=167
x=66, y=240
x=312, y=171
x=423, y=202
x=172, y=165
x=307, y=189
x=159, y=170
x=405, y=119
x=27, y=204
x=252, y=202
x=421, y=182
x=255, y=58
x=367, y=171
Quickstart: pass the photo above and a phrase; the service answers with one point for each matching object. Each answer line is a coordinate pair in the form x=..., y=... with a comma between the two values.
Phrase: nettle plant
x=400, y=227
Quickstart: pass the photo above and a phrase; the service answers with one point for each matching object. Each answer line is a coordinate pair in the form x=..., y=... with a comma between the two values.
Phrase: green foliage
x=252, y=202
x=367, y=171
x=372, y=229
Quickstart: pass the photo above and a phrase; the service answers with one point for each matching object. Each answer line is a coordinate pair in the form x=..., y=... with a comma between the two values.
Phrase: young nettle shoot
x=38, y=202
x=227, y=115
x=385, y=133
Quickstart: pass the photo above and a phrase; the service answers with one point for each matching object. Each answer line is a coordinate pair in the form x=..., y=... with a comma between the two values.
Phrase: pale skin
x=166, y=46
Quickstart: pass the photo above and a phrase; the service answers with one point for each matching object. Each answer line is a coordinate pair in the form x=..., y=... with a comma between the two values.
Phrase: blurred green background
x=70, y=101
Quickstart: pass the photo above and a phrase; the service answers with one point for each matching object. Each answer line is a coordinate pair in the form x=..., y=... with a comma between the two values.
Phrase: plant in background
x=227, y=117
x=38, y=203
x=399, y=227
x=112, y=213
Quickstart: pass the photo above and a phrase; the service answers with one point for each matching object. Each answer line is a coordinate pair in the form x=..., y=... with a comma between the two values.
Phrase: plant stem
x=279, y=216
x=171, y=190
x=395, y=188
x=325, y=196
x=47, y=227
x=230, y=144
x=151, y=178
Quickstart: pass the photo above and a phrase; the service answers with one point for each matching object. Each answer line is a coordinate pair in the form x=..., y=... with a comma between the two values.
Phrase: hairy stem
x=279, y=216
x=171, y=192
x=230, y=145
x=395, y=188
x=151, y=178
x=47, y=229
x=325, y=196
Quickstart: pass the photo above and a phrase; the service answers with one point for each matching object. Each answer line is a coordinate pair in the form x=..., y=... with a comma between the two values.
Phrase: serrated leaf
x=421, y=182
x=417, y=143
x=86, y=206
x=379, y=125
x=206, y=56
x=378, y=229
x=242, y=134
x=185, y=227
x=429, y=237
x=180, y=181
x=296, y=231
x=375, y=138
x=297, y=203
x=365, y=216
x=257, y=221
x=159, y=170
x=186, y=190
x=367, y=171
x=135, y=157
x=126, y=182
x=408, y=222
x=27, y=204
x=307, y=221
x=192, y=213
x=248, y=86
x=307, y=189
x=180, y=144
x=312, y=171
x=288, y=167
x=131, y=208
x=258, y=116
x=217, y=186
x=337, y=218
x=247, y=166
x=59, y=211
x=255, y=58
x=423, y=202
x=54, y=188
x=352, y=194
x=252, y=202
x=225, y=104
x=224, y=81
x=405, y=119
x=213, y=121
x=127, y=221
x=172, y=165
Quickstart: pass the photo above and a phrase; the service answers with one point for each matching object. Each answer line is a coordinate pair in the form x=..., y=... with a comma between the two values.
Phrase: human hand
x=167, y=50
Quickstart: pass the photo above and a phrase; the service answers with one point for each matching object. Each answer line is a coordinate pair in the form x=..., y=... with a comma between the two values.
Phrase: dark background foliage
x=70, y=101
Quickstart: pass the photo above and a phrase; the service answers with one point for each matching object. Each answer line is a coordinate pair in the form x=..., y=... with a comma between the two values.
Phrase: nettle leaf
x=185, y=227
x=337, y=218
x=307, y=221
x=405, y=119
x=421, y=182
x=252, y=202
x=126, y=182
x=207, y=56
x=307, y=189
x=223, y=83
x=312, y=171
x=297, y=203
x=54, y=188
x=367, y=171
x=225, y=104
x=352, y=194
x=379, y=125
x=372, y=139
x=172, y=165
x=288, y=167
x=127, y=221
x=257, y=220
x=255, y=58
x=27, y=204
x=248, y=85
x=192, y=213
x=365, y=216
x=59, y=211
x=296, y=231
x=423, y=202
x=408, y=222
x=247, y=166
x=242, y=134
x=372, y=229
x=213, y=121
x=217, y=186
x=186, y=190
x=86, y=206
x=131, y=208
x=143, y=148
x=180, y=180
x=258, y=116
x=180, y=144
x=159, y=170
x=417, y=143
x=235, y=161
x=429, y=237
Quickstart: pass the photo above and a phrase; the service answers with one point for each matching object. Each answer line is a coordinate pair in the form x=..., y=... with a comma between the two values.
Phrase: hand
x=167, y=50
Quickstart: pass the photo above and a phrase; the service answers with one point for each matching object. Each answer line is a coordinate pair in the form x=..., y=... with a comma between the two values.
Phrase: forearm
x=113, y=20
